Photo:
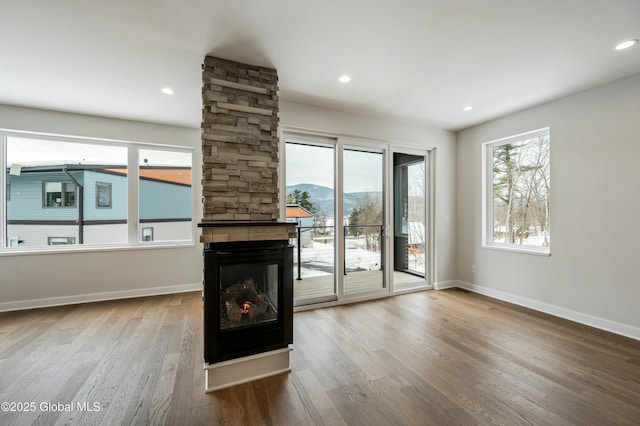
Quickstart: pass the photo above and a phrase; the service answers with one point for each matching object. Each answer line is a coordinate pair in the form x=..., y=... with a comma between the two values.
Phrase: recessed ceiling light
x=467, y=108
x=626, y=44
x=167, y=91
x=344, y=78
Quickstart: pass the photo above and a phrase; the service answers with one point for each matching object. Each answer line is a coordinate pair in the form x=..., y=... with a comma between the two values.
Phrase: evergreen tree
x=354, y=219
x=300, y=198
x=505, y=170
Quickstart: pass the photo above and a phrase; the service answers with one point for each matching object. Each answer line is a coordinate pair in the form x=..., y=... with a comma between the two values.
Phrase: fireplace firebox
x=248, y=298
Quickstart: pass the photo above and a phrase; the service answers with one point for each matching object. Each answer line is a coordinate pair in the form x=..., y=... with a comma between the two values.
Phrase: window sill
x=90, y=249
x=526, y=250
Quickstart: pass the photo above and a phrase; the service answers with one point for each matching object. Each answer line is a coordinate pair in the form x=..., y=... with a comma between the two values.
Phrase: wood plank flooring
x=435, y=357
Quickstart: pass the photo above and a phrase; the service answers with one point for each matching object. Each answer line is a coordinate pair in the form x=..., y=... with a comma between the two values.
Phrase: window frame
x=133, y=195
x=488, y=199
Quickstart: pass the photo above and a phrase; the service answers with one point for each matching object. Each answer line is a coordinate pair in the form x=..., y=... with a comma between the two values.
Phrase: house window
x=147, y=234
x=516, y=192
x=103, y=195
x=60, y=241
x=58, y=194
x=14, y=241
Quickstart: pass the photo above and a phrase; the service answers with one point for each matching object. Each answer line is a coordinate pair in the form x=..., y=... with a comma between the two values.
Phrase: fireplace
x=248, y=272
x=248, y=298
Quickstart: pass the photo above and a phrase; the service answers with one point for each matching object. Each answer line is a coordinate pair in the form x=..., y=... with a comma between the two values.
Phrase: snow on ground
x=319, y=259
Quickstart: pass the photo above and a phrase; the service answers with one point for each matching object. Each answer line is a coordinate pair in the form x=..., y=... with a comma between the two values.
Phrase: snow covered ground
x=319, y=258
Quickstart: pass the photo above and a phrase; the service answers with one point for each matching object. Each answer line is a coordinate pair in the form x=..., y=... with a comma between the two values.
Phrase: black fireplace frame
x=222, y=345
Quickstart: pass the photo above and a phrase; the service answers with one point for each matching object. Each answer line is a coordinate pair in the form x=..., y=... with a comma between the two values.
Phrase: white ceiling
x=418, y=61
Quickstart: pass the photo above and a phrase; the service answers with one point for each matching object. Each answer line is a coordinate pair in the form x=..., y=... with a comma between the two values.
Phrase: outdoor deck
x=355, y=282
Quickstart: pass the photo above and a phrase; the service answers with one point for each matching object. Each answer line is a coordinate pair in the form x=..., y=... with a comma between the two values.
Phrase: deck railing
x=348, y=230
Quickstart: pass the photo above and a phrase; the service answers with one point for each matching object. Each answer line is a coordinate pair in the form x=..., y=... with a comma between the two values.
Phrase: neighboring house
x=88, y=204
x=304, y=220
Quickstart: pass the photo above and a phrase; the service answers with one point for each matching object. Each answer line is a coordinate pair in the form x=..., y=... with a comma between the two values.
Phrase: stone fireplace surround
x=240, y=153
x=239, y=142
x=240, y=182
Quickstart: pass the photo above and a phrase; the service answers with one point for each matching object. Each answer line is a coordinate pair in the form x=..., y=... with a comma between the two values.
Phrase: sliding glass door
x=361, y=218
x=310, y=192
x=363, y=213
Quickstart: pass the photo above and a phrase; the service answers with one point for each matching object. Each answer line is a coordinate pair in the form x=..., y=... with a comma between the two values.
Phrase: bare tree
x=368, y=216
x=417, y=205
x=521, y=184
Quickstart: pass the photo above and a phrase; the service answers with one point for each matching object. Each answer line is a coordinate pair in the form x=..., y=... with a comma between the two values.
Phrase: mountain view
x=322, y=197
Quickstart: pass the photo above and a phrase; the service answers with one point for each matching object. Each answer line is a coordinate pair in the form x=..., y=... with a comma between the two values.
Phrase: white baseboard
x=586, y=319
x=97, y=297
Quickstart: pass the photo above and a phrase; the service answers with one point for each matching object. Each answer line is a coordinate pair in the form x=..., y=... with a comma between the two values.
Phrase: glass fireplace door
x=248, y=298
x=248, y=295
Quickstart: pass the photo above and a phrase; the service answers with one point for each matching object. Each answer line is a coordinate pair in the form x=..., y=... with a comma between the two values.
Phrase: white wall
x=56, y=278
x=591, y=274
x=589, y=277
x=44, y=279
x=347, y=124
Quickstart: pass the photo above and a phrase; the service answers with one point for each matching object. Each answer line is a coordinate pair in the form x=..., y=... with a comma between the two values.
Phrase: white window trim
x=133, y=219
x=487, y=199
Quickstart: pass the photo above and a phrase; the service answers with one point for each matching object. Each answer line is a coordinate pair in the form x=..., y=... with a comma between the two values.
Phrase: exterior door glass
x=363, y=205
x=310, y=192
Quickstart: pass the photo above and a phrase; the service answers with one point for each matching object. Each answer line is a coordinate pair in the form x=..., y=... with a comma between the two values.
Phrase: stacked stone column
x=239, y=142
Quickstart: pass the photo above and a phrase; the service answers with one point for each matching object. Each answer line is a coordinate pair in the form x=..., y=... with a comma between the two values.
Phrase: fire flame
x=245, y=307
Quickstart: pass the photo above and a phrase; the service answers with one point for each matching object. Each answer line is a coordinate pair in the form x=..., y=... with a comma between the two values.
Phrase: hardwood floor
x=435, y=357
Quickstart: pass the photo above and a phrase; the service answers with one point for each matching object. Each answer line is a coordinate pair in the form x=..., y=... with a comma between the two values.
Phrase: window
x=516, y=192
x=147, y=234
x=13, y=241
x=165, y=194
x=103, y=195
x=81, y=187
x=58, y=194
x=59, y=241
